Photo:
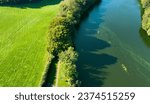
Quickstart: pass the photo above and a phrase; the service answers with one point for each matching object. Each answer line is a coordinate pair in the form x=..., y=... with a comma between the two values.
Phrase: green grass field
x=23, y=42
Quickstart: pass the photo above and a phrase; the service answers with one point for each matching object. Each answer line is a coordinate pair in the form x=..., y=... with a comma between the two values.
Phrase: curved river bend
x=113, y=50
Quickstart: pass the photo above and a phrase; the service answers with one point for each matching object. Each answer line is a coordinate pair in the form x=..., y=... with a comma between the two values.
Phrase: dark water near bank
x=113, y=50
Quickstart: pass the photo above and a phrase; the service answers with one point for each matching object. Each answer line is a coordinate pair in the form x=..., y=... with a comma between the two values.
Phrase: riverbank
x=61, y=33
x=146, y=16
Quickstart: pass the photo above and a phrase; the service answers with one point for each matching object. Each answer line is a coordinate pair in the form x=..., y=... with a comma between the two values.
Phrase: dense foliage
x=146, y=16
x=145, y=3
x=63, y=26
x=61, y=31
x=60, y=35
x=67, y=61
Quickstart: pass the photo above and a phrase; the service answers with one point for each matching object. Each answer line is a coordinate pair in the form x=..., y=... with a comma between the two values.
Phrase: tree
x=68, y=59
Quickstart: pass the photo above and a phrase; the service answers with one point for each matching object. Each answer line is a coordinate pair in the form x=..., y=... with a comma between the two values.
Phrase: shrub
x=145, y=3
x=68, y=67
x=60, y=35
x=146, y=16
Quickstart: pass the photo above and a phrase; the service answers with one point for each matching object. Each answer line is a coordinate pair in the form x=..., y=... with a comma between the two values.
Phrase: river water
x=113, y=50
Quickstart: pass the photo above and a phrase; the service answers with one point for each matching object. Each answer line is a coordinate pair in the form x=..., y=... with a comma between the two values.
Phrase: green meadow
x=23, y=42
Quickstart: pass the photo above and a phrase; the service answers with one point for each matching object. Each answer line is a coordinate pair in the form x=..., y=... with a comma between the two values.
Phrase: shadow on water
x=91, y=65
x=36, y=4
x=93, y=68
x=145, y=37
x=93, y=44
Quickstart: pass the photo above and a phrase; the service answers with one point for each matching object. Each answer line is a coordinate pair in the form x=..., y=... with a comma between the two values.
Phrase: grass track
x=23, y=42
x=60, y=78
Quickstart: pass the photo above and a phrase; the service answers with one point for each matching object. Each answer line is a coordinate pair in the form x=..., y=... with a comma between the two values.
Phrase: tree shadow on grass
x=37, y=4
x=50, y=76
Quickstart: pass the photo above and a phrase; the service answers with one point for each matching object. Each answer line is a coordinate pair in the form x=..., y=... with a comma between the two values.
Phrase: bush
x=60, y=35
x=63, y=26
x=145, y=3
x=146, y=16
x=71, y=10
x=68, y=67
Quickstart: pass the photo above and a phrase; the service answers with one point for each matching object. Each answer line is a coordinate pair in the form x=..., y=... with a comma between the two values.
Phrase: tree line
x=146, y=16
x=61, y=32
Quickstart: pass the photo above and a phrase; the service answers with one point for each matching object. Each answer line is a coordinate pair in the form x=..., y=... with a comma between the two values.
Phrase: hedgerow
x=61, y=32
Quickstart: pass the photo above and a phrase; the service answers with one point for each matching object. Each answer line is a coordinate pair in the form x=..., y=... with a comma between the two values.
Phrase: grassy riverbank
x=146, y=16
x=23, y=42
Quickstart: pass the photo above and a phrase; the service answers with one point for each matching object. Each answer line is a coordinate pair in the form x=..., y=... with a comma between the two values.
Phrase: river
x=113, y=49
